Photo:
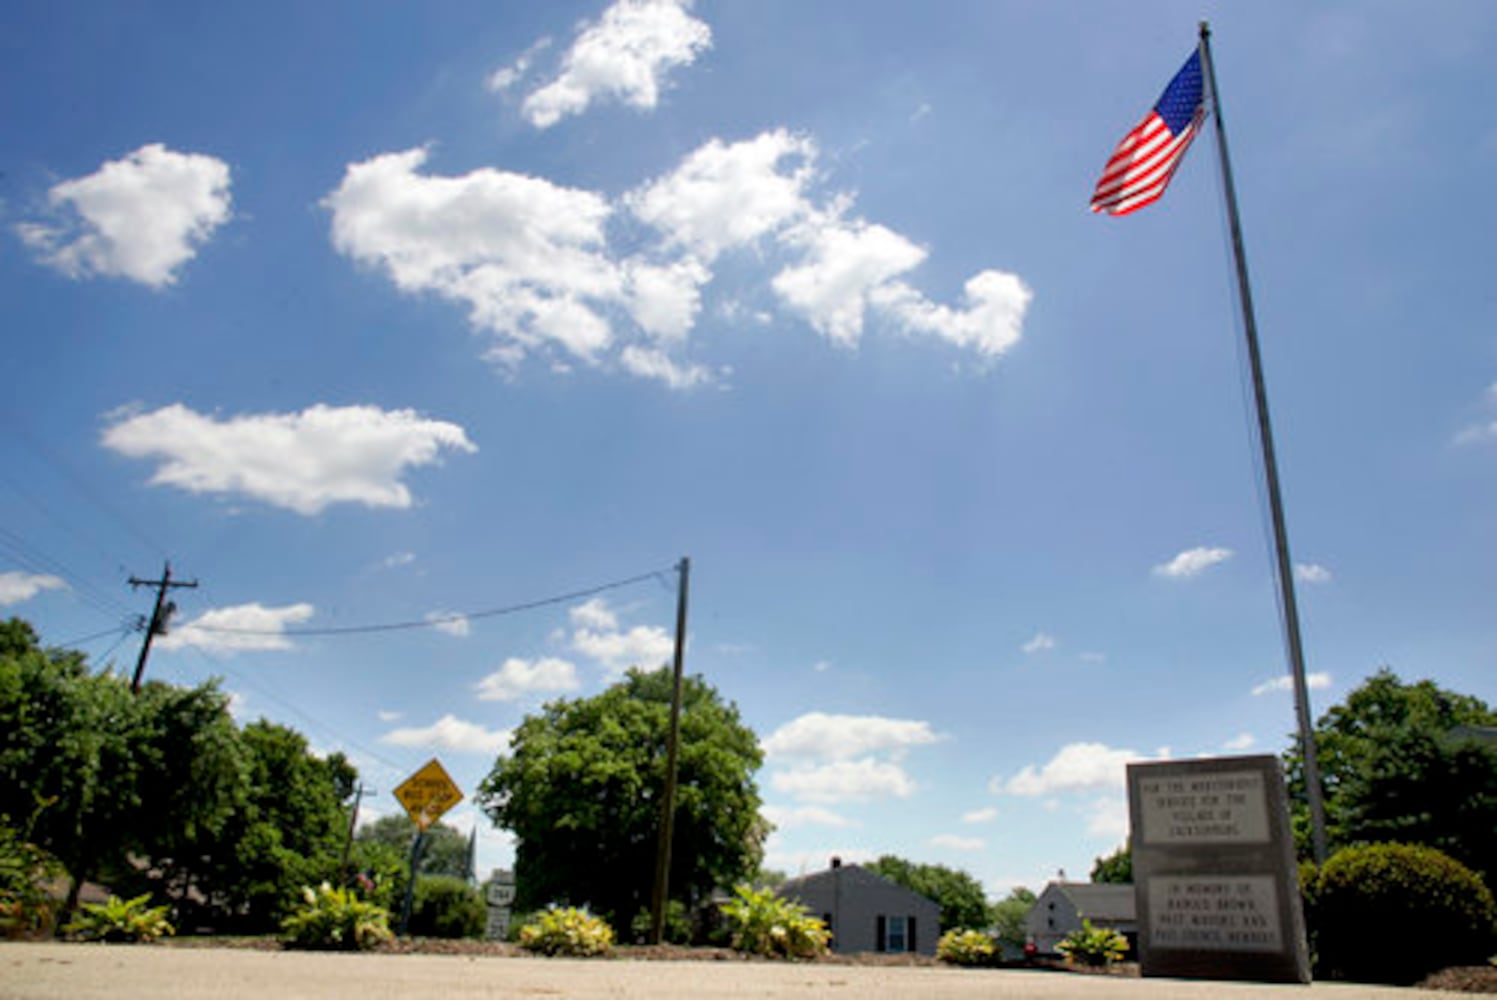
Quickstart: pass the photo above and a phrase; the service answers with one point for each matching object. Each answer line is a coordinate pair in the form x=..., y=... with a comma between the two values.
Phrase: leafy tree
x=445, y=851
x=959, y=895
x=1008, y=916
x=581, y=790
x=1397, y=766
x=1116, y=867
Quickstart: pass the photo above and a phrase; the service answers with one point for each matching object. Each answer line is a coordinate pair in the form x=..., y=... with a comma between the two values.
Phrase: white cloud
x=1240, y=742
x=1192, y=562
x=386, y=716
x=992, y=322
x=17, y=586
x=1477, y=433
x=986, y=815
x=645, y=646
x=625, y=55
x=244, y=628
x=1311, y=573
x=1318, y=681
x=1077, y=767
x=845, y=262
x=518, y=678
x=954, y=842
x=650, y=363
x=845, y=781
x=507, y=76
x=140, y=217
x=790, y=817
x=398, y=559
x=1039, y=643
x=595, y=614
x=300, y=461
x=450, y=733
x=450, y=623
x=841, y=737
x=1107, y=818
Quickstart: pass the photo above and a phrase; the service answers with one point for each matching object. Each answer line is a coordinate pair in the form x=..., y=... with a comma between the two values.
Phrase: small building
x=867, y=912
x=1062, y=907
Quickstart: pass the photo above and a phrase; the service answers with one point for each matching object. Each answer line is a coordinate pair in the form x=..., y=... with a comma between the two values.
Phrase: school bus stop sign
x=428, y=793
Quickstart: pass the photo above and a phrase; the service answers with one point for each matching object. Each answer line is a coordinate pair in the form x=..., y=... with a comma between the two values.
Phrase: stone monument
x=1214, y=875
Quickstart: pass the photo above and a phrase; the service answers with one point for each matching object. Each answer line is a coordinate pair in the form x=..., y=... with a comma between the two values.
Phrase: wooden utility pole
x=672, y=755
x=159, y=616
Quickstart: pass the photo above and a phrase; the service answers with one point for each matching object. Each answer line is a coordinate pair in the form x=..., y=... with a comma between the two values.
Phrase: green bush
x=961, y=947
x=763, y=923
x=447, y=907
x=677, y=928
x=567, y=931
x=1093, y=945
x=336, y=920
x=25, y=869
x=121, y=920
x=1392, y=913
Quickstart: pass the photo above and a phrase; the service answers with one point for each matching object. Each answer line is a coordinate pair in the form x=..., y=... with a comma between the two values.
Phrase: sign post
x=426, y=795
x=500, y=897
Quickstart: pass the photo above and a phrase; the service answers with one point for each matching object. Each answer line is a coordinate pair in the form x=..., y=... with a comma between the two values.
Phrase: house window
x=897, y=940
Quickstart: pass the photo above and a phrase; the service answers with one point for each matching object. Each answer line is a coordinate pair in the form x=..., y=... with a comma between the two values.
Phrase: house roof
x=852, y=876
x=1100, y=901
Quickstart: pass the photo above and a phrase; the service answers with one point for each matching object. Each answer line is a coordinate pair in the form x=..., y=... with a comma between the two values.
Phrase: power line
x=437, y=620
x=124, y=629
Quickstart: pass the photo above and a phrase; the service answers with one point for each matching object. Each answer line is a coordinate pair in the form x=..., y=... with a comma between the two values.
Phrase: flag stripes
x=1141, y=166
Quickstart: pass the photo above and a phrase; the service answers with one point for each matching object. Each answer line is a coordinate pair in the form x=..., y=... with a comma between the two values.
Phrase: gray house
x=867, y=912
x=1062, y=907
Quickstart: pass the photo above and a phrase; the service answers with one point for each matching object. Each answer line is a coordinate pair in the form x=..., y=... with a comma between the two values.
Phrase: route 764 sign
x=428, y=794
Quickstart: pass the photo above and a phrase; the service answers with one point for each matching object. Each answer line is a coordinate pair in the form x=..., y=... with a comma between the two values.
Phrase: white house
x=1062, y=907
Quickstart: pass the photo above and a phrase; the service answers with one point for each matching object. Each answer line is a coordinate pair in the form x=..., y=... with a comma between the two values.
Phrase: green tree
x=581, y=786
x=1008, y=917
x=1116, y=867
x=1399, y=763
x=444, y=853
x=959, y=895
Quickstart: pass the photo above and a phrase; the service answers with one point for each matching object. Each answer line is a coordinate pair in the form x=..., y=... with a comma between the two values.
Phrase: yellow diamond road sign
x=428, y=793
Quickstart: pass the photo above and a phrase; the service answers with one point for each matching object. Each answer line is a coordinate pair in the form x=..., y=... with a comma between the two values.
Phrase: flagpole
x=1270, y=473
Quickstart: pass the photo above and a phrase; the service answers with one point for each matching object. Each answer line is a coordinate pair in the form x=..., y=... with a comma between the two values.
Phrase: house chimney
x=836, y=861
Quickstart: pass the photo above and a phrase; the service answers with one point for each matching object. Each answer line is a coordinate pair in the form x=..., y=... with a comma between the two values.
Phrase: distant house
x=1062, y=907
x=867, y=912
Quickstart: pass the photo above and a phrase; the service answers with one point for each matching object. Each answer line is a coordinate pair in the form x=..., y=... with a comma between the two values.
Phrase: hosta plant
x=961, y=947
x=1093, y=945
x=330, y=919
x=763, y=923
x=567, y=931
x=120, y=920
x=25, y=869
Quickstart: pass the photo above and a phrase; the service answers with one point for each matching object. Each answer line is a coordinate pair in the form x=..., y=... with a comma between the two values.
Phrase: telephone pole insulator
x=160, y=616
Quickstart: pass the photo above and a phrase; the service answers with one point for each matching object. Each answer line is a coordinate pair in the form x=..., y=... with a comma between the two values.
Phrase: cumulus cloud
x=597, y=635
x=790, y=817
x=1192, y=562
x=450, y=733
x=1107, y=818
x=954, y=842
x=655, y=364
x=300, y=461
x=518, y=678
x=594, y=614
x=140, y=217
x=840, y=737
x=625, y=56
x=239, y=629
x=1039, y=643
x=845, y=781
x=507, y=76
x=1318, y=681
x=1077, y=767
x=1240, y=742
x=1311, y=573
x=845, y=263
x=17, y=586
x=986, y=815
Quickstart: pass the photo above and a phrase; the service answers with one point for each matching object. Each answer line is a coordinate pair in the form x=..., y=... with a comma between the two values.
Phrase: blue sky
x=368, y=313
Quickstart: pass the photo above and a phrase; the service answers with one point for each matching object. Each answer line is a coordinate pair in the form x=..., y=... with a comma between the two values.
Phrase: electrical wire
x=438, y=620
x=126, y=628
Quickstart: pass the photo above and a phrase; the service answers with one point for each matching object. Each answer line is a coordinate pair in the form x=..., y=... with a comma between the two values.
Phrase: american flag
x=1146, y=159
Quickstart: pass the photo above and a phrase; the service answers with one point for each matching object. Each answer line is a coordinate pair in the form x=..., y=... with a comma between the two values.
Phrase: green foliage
x=959, y=895
x=763, y=923
x=677, y=929
x=445, y=851
x=966, y=948
x=1008, y=915
x=1428, y=910
x=581, y=790
x=121, y=920
x=332, y=919
x=567, y=931
x=1115, y=868
x=447, y=907
x=1093, y=945
x=1397, y=766
x=25, y=869
x=379, y=872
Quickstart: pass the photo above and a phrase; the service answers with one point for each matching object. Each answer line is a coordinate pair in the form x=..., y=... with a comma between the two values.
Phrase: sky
x=372, y=314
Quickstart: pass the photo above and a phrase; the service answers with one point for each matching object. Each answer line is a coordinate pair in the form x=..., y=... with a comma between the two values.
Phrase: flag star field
x=474, y=319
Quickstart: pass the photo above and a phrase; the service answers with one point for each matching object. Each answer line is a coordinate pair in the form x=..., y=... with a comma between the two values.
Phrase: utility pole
x=672, y=756
x=159, y=616
x=353, y=822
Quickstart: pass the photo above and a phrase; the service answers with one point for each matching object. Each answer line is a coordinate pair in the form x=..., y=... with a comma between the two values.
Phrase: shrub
x=1435, y=908
x=1093, y=945
x=763, y=923
x=447, y=907
x=121, y=920
x=567, y=931
x=25, y=870
x=677, y=928
x=336, y=920
x=961, y=947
